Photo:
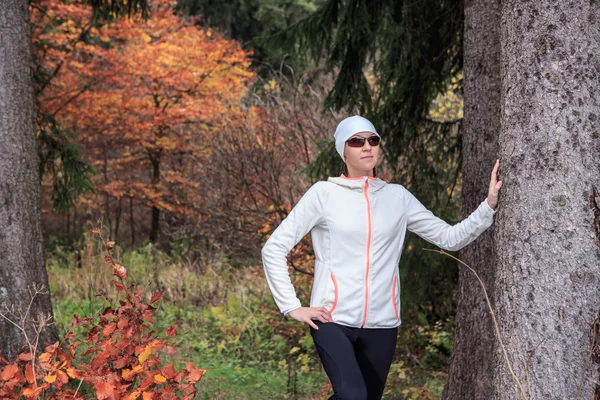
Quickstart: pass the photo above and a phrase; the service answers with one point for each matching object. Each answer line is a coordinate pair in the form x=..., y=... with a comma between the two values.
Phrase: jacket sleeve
x=436, y=231
x=303, y=217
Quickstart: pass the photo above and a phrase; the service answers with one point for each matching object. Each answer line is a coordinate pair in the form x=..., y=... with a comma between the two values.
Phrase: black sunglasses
x=358, y=141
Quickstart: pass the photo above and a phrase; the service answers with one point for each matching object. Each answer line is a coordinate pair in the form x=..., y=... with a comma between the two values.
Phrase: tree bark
x=21, y=243
x=471, y=372
x=547, y=280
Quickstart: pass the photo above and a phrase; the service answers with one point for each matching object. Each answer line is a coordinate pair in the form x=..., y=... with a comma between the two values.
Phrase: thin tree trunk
x=155, y=210
x=547, y=280
x=118, y=218
x=21, y=242
x=106, y=196
x=131, y=222
x=471, y=370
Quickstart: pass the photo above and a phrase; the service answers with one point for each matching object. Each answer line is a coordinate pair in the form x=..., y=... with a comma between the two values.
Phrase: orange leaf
x=29, y=375
x=74, y=373
x=195, y=375
x=128, y=374
x=158, y=378
x=8, y=372
x=147, y=396
x=104, y=390
x=25, y=356
x=62, y=377
x=172, y=331
x=171, y=350
x=108, y=329
x=147, y=316
x=119, y=286
x=156, y=297
x=32, y=392
x=45, y=357
x=110, y=245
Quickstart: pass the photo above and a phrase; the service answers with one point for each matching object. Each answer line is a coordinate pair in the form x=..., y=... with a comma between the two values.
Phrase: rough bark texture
x=21, y=247
x=471, y=369
x=548, y=288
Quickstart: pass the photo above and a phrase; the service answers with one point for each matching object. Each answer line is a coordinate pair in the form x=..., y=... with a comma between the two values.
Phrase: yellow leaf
x=158, y=378
x=294, y=349
x=145, y=354
x=50, y=378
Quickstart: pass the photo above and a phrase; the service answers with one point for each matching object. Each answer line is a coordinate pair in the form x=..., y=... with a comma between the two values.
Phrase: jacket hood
x=358, y=184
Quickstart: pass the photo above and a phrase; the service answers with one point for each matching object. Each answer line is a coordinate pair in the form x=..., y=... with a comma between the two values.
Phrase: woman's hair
x=346, y=170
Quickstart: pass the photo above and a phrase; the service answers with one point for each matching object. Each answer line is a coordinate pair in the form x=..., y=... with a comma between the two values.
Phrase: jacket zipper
x=368, y=252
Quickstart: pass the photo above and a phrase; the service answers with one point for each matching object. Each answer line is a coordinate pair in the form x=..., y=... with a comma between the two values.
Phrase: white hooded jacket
x=358, y=227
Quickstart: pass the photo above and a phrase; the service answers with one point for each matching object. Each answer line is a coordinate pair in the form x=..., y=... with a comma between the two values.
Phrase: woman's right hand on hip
x=307, y=314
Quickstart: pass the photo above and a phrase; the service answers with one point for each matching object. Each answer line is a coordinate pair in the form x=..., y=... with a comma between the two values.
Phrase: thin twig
x=489, y=304
x=78, y=386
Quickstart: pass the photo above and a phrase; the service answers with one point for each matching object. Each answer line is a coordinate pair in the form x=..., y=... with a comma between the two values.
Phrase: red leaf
x=147, y=316
x=25, y=356
x=169, y=371
x=139, y=292
x=121, y=362
x=156, y=297
x=171, y=350
x=110, y=245
x=172, y=331
x=120, y=271
x=70, y=335
x=72, y=348
x=122, y=323
x=119, y=286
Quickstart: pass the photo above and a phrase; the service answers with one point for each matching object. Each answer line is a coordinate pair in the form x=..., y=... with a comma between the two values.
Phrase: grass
x=227, y=323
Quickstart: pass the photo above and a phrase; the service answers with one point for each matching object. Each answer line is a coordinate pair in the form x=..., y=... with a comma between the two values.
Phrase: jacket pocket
x=335, y=293
x=394, y=289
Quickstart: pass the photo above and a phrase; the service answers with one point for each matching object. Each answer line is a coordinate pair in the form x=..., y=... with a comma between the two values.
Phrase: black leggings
x=356, y=360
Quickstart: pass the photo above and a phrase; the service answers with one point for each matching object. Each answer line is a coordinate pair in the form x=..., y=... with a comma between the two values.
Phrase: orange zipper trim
x=394, y=297
x=335, y=298
x=368, y=253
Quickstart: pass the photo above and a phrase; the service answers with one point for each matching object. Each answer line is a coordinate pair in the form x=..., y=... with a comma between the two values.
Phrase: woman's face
x=363, y=159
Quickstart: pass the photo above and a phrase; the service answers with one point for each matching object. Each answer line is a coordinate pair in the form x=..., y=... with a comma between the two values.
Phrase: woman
x=358, y=223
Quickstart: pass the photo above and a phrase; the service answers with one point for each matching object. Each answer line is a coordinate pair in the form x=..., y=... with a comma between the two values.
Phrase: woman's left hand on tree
x=495, y=185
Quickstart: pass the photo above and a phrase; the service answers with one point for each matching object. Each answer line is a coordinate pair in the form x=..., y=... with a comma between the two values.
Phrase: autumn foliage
x=146, y=98
x=124, y=350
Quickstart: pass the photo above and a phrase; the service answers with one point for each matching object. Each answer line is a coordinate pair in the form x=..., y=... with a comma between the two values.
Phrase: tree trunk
x=131, y=222
x=547, y=280
x=21, y=242
x=155, y=210
x=471, y=370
